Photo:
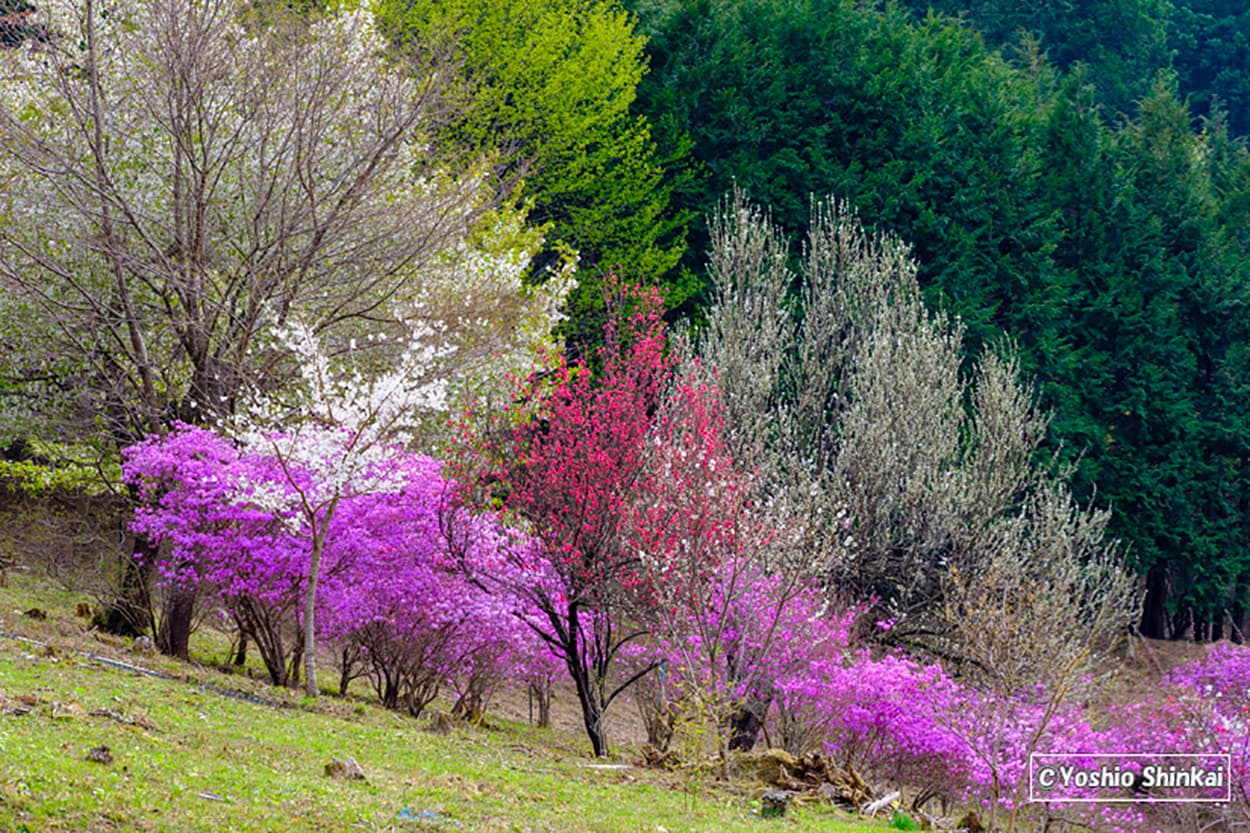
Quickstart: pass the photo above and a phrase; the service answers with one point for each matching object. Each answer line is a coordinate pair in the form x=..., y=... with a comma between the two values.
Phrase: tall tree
x=181, y=177
x=554, y=83
x=1182, y=402
x=194, y=173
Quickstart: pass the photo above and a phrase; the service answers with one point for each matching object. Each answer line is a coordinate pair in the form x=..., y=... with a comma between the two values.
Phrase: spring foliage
x=183, y=179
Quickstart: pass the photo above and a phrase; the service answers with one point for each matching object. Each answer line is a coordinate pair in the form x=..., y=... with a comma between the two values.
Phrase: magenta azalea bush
x=421, y=596
x=396, y=605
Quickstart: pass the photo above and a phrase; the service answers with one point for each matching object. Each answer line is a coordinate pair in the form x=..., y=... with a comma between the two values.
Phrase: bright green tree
x=552, y=84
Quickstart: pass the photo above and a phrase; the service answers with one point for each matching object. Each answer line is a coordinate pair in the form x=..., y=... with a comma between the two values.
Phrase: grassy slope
x=267, y=763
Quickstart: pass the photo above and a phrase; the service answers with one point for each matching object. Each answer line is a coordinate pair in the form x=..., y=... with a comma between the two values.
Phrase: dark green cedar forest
x=1073, y=177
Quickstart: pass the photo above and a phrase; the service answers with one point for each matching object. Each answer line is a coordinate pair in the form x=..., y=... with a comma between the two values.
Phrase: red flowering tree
x=578, y=468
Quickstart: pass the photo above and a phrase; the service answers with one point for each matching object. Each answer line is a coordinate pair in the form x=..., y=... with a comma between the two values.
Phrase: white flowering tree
x=181, y=178
x=342, y=442
x=931, y=478
x=181, y=175
x=337, y=431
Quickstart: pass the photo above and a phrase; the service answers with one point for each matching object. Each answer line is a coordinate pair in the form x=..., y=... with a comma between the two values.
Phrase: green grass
x=173, y=744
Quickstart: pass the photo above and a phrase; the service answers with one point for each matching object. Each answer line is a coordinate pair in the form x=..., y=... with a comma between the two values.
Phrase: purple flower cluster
x=394, y=602
x=420, y=595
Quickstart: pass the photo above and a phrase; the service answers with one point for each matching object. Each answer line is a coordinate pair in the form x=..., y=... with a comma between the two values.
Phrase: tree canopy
x=553, y=83
x=1113, y=252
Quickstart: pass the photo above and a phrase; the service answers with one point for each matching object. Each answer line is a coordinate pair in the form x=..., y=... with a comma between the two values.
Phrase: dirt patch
x=1142, y=667
x=625, y=728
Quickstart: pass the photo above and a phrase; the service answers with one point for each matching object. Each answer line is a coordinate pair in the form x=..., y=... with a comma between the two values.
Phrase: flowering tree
x=342, y=443
x=572, y=464
x=393, y=596
x=416, y=624
x=1214, y=699
x=883, y=715
x=182, y=175
x=416, y=620
x=181, y=178
x=730, y=653
x=688, y=519
x=736, y=571
x=219, y=543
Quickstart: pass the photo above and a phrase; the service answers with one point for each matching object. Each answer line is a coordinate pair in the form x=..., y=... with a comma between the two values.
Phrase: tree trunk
x=1241, y=589
x=470, y=706
x=129, y=614
x=592, y=719
x=261, y=632
x=350, y=667
x=592, y=708
x=297, y=658
x=310, y=612
x=542, y=696
x=590, y=693
x=174, y=637
x=320, y=531
x=746, y=722
x=240, y=656
x=1154, y=619
x=1181, y=622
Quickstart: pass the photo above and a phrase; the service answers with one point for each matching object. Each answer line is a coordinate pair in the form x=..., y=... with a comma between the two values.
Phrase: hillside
x=187, y=757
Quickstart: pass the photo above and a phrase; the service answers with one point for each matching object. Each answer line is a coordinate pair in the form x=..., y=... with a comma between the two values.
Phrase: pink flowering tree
x=881, y=715
x=573, y=465
x=510, y=650
x=1215, y=696
x=731, y=647
x=394, y=601
x=408, y=613
x=729, y=654
x=418, y=628
x=733, y=580
x=235, y=526
x=642, y=525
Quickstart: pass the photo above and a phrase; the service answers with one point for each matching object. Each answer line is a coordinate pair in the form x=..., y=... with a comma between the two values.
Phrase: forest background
x=1072, y=177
